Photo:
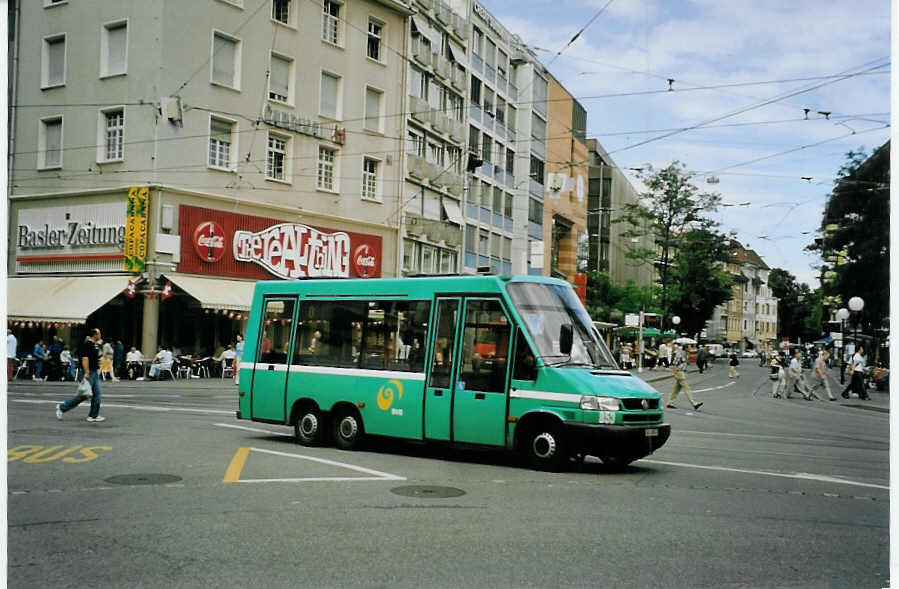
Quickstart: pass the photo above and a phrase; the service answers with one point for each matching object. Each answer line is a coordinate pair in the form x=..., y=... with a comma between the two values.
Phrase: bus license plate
x=652, y=432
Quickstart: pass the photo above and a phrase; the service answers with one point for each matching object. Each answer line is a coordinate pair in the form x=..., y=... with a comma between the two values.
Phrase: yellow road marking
x=232, y=475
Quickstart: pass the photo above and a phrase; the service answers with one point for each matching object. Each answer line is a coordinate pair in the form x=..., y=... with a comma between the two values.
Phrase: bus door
x=479, y=402
x=439, y=392
x=272, y=352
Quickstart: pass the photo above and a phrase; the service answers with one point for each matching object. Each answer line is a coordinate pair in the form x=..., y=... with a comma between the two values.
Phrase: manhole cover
x=427, y=491
x=143, y=479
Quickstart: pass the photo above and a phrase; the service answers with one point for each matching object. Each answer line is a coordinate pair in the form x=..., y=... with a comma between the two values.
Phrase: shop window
x=274, y=341
x=485, y=346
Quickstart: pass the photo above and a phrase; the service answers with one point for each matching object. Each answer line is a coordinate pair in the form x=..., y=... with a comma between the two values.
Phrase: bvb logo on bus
x=387, y=392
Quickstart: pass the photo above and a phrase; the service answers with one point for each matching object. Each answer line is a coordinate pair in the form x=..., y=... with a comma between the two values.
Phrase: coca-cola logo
x=365, y=261
x=209, y=241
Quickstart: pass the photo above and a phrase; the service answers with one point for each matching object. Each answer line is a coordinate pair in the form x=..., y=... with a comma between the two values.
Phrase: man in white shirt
x=11, y=345
x=664, y=360
x=795, y=378
x=133, y=363
x=857, y=376
x=162, y=361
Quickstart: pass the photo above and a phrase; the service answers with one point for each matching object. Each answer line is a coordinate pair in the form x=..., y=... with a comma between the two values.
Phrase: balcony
x=500, y=129
x=513, y=92
x=422, y=54
x=498, y=173
x=417, y=166
x=438, y=121
x=497, y=220
x=426, y=4
x=458, y=79
x=536, y=188
x=436, y=174
x=535, y=230
x=444, y=14
x=471, y=211
x=477, y=64
x=540, y=105
x=490, y=73
x=538, y=148
x=510, y=179
x=511, y=135
x=419, y=109
x=442, y=66
x=471, y=259
x=507, y=268
x=487, y=169
x=456, y=131
x=501, y=81
x=460, y=27
x=476, y=112
x=507, y=224
x=485, y=215
x=487, y=121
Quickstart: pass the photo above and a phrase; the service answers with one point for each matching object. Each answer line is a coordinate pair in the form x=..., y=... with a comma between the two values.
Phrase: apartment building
x=507, y=108
x=608, y=192
x=567, y=178
x=436, y=129
x=168, y=154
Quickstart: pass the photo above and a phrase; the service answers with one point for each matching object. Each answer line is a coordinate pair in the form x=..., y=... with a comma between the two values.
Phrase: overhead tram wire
x=844, y=76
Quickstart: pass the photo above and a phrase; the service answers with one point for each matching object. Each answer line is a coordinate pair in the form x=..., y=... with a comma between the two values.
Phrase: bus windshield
x=545, y=308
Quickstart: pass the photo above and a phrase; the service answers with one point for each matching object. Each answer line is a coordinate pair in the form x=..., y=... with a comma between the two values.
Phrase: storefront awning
x=216, y=293
x=453, y=213
x=68, y=299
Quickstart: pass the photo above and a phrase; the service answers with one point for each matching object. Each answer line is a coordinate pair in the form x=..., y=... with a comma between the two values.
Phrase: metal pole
x=640, y=345
x=842, y=351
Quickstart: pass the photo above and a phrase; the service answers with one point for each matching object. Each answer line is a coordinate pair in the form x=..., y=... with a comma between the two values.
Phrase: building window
x=221, y=143
x=325, y=176
x=331, y=22
x=114, y=49
x=329, y=102
x=373, y=104
x=280, y=86
x=50, y=143
x=375, y=34
x=370, y=169
x=537, y=169
x=477, y=41
x=510, y=160
x=486, y=148
x=276, y=161
x=538, y=128
x=112, y=135
x=53, y=62
x=225, y=61
x=447, y=261
x=475, y=90
x=474, y=139
x=282, y=11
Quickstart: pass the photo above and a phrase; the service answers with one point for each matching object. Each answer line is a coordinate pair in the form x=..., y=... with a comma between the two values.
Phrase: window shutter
x=221, y=130
x=329, y=96
x=53, y=132
x=56, y=57
x=223, y=61
x=280, y=76
x=372, y=109
x=116, y=46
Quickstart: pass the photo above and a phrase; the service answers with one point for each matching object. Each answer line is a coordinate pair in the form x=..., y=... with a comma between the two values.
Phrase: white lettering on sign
x=291, y=250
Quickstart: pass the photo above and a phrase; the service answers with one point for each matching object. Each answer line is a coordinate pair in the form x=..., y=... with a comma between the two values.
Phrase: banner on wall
x=135, y=246
x=245, y=246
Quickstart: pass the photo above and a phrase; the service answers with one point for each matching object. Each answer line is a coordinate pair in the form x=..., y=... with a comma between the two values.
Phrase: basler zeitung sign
x=244, y=246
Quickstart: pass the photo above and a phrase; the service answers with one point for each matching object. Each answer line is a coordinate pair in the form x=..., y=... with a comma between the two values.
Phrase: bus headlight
x=593, y=403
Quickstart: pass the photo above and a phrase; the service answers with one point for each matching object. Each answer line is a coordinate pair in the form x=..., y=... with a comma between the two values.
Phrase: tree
x=795, y=306
x=670, y=207
x=609, y=302
x=699, y=277
x=855, y=236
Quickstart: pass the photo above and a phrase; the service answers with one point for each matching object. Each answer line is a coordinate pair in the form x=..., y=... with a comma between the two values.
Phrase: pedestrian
x=780, y=381
x=68, y=363
x=89, y=352
x=118, y=359
x=732, y=365
x=795, y=378
x=11, y=344
x=40, y=354
x=819, y=374
x=701, y=359
x=107, y=354
x=680, y=380
x=663, y=355
x=238, y=353
x=856, y=376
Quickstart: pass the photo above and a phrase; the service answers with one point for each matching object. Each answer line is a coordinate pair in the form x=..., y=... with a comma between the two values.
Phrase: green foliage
x=855, y=234
x=609, y=302
x=699, y=280
x=795, y=306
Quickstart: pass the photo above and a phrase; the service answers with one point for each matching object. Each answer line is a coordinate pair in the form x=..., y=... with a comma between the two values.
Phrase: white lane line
x=753, y=436
x=797, y=475
x=253, y=429
x=376, y=474
x=724, y=386
x=142, y=407
x=316, y=479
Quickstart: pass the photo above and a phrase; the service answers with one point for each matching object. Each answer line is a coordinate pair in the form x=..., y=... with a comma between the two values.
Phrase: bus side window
x=525, y=364
x=276, y=329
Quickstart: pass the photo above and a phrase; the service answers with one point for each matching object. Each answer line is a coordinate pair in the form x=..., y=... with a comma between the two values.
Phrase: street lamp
x=842, y=315
x=676, y=321
x=856, y=304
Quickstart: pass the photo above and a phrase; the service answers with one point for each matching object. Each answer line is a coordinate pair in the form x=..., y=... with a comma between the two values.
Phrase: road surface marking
x=797, y=475
x=253, y=429
x=724, y=386
x=759, y=436
x=232, y=475
x=143, y=407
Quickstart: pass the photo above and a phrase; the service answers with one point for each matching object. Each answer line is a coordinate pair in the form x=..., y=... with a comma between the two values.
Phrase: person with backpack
x=732, y=365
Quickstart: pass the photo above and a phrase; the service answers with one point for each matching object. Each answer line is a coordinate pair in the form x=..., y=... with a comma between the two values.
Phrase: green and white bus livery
x=499, y=361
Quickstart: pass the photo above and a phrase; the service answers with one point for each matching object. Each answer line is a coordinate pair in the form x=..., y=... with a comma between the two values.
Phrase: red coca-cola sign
x=244, y=246
x=209, y=241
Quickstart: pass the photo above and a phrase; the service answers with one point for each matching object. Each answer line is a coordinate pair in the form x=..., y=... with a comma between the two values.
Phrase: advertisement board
x=222, y=243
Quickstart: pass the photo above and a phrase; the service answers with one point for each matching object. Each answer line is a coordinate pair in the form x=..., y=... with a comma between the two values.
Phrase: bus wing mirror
x=566, y=338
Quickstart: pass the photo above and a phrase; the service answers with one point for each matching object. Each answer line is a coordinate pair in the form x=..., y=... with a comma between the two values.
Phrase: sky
x=778, y=59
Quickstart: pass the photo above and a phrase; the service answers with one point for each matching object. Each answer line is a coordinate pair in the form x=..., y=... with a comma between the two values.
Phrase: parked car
x=715, y=350
x=750, y=354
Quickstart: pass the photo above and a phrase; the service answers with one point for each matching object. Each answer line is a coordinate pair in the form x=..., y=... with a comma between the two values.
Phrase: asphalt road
x=749, y=491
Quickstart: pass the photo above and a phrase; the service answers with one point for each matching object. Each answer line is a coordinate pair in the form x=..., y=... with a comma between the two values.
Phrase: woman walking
x=732, y=365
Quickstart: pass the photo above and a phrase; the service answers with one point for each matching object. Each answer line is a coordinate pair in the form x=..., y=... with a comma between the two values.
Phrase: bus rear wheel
x=545, y=448
x=309, y=428
x=347, y=430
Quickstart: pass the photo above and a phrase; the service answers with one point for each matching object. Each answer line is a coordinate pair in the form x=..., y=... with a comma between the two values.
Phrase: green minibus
x=499, y=361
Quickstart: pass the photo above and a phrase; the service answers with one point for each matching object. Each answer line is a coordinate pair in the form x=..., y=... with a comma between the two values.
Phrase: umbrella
x=685, y=340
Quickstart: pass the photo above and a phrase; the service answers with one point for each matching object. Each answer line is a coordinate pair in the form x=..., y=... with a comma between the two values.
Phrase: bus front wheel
x=348, y=431
x=545, y=448
x=309, y=427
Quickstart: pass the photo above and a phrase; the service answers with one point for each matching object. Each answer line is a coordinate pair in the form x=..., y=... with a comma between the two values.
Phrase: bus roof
x=419, y=287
